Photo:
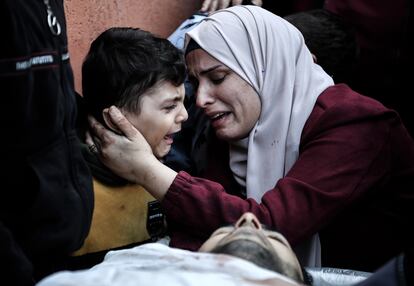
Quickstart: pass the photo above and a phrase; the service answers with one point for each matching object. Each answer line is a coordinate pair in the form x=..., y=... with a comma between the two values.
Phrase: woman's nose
x=203, y=98
x=248, y=220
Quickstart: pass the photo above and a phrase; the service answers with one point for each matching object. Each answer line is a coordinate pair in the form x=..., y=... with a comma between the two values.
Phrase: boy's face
x=161, y=113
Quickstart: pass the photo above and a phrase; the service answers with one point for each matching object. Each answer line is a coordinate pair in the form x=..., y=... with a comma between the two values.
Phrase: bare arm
x=129, y=155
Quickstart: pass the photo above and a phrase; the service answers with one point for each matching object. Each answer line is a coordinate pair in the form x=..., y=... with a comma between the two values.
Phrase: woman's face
x=161, y=113
x=229, y=101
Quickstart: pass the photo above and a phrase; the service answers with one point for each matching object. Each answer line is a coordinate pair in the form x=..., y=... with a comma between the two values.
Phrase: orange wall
x=86, y=19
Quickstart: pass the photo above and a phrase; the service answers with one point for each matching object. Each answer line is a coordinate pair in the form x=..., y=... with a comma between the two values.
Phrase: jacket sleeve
x=341, y=158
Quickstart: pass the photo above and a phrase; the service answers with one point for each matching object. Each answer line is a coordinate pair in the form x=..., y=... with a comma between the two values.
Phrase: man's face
x=249, y=228
x=161, y=113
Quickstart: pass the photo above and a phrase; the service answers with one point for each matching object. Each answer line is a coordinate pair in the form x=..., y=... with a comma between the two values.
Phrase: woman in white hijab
x=303, y=151
x=255, y=53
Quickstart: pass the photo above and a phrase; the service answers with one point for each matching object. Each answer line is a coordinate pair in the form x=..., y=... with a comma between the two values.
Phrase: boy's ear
x=108, y=121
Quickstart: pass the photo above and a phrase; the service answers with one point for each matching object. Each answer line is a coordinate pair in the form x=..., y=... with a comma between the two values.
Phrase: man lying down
x=243, y=254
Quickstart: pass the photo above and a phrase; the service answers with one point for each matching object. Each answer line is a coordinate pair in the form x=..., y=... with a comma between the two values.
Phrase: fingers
x=119, y=122
x=98, y=130
x=236, y=2
x=222, y=4
x=213, y=5
x=206, y=5
x=257, y=2
x=108, y=121
x=94, y=145
x=88, y=139
x=93, y=149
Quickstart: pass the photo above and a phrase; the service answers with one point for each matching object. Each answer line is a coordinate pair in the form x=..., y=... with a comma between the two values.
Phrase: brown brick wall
x=86, y=19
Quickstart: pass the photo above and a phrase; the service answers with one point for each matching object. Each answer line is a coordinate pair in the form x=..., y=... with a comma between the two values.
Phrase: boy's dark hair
x=330, y=39
x=257, y=254
x=122, y=64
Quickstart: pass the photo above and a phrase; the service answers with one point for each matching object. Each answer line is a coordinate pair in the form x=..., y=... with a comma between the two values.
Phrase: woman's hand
x=126, y=152
x=213, y=5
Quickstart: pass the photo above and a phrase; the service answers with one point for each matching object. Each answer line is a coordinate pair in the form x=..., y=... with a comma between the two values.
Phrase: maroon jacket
x=353, y=182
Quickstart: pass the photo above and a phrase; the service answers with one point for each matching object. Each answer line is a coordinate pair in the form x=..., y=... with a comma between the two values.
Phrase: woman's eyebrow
x=209, y=69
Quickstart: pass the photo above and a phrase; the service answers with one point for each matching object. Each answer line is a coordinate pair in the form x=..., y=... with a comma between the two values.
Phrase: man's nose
x=248, y=220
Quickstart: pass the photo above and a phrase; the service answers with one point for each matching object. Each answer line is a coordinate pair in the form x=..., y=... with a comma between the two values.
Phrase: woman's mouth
x=218, y=119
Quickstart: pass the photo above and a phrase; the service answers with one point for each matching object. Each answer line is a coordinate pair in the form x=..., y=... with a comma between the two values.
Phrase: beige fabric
x=270, y=54
x=119, y=217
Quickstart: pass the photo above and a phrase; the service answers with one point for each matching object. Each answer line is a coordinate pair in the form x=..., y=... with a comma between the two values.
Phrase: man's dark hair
x=257, y=254
x=122, y=64
x=330, y=39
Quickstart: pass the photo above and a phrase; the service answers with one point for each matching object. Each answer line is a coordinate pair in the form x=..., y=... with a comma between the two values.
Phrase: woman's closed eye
x=218, y=80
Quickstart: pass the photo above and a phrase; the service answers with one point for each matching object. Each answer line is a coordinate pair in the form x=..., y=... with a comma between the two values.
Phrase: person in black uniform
x=46, y=195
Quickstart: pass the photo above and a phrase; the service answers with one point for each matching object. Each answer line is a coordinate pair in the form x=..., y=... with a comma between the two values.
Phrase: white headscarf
x=270, y=54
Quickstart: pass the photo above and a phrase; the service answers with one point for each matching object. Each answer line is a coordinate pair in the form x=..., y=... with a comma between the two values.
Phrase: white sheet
x=156, y=264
